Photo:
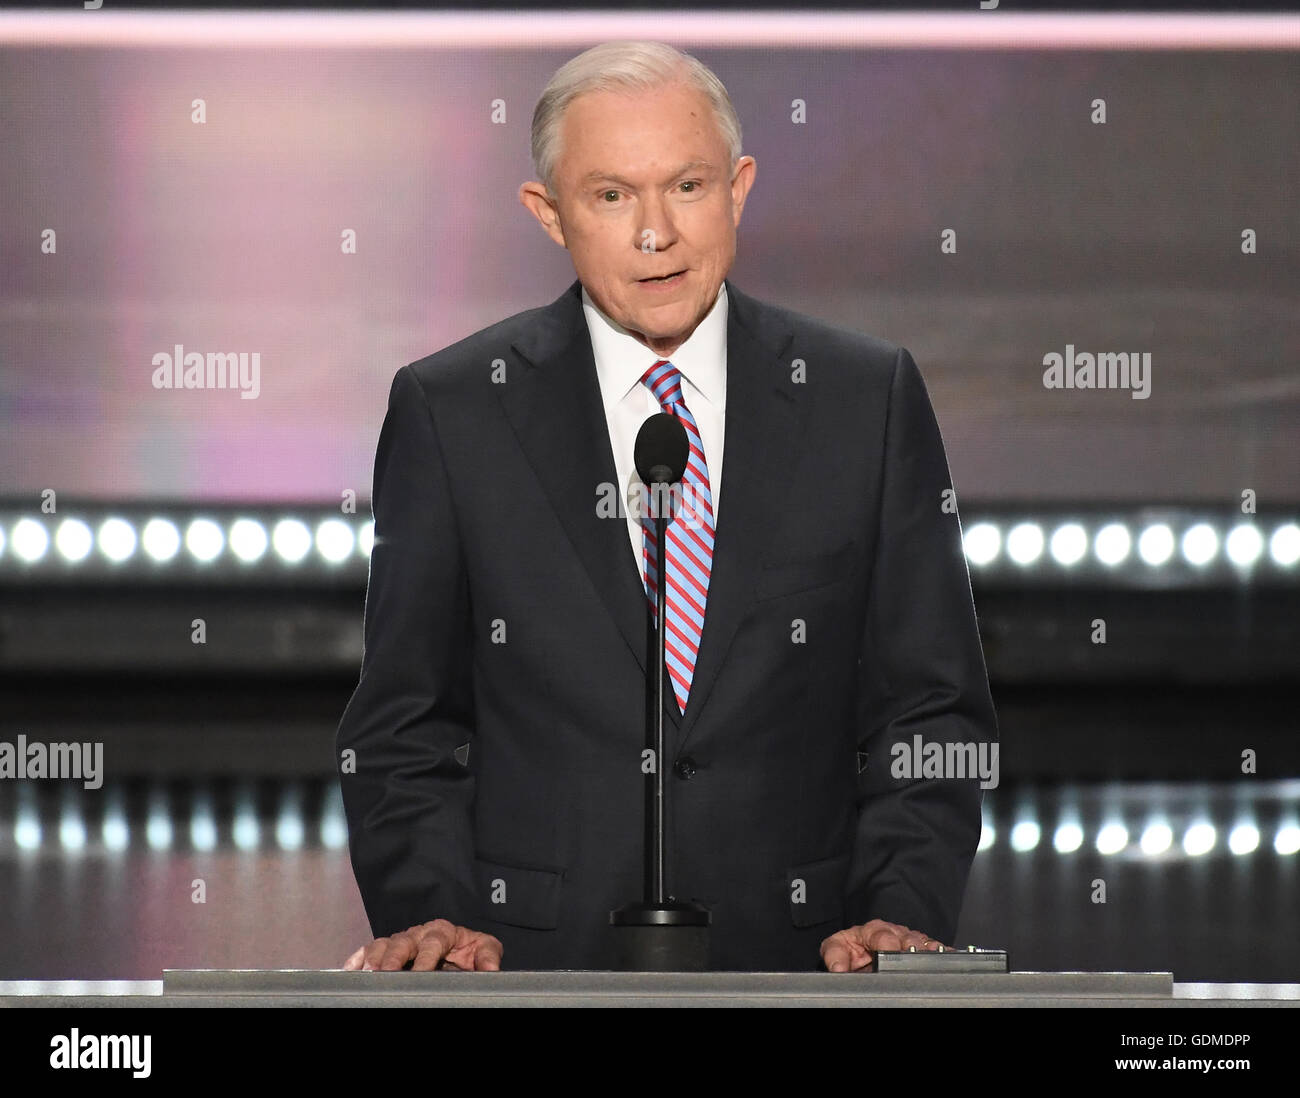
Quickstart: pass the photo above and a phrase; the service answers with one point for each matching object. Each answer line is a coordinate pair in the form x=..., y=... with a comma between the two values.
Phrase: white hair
x=635, y=66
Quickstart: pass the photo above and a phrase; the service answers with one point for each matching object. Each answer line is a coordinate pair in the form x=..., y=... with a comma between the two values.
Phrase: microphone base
x=669, y=937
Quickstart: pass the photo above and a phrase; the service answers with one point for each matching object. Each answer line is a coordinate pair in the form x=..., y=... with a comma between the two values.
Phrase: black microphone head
x=661, y=441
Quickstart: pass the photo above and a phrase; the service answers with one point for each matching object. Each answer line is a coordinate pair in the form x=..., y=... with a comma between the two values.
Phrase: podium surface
x=336, y=988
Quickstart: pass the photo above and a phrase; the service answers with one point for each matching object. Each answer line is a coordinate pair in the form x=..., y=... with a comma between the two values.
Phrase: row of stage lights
x=160, y=541
x=290, y=832
x=164, y=831
x=1069, y=544
x=1157, y=838
x=34, y=545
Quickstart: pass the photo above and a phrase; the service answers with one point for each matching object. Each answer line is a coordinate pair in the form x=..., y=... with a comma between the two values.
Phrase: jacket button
x=684, y=767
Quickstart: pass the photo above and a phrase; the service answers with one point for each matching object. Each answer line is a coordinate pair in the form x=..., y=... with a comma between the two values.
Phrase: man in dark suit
x=822, y=609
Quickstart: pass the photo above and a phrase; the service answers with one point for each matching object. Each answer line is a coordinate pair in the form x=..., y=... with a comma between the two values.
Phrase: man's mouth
x=663, y=278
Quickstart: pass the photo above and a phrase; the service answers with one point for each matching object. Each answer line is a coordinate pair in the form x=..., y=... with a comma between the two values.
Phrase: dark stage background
x=127, y=228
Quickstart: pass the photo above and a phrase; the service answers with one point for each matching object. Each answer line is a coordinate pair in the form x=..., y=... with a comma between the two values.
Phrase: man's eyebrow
x=689, y=166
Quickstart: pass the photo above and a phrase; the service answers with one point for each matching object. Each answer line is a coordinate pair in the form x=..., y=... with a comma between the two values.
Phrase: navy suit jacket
x=506, y=612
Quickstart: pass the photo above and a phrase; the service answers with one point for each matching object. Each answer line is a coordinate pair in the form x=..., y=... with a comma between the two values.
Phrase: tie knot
x=665, y=381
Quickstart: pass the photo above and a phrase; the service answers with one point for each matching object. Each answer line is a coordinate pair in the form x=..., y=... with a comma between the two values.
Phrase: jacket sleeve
x=921, y=673
x=409, y=801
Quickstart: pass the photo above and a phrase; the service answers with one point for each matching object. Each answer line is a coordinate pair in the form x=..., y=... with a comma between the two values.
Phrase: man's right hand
x=439, y=944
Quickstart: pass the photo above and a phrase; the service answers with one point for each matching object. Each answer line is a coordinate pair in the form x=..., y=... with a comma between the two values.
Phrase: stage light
x=1025, y=836
x=1200, y=543
x=1199, y=839
x=1244, y=545
x=248, y=540
x=245, y=831
x=335, y=540
x=1284, y=545
x=1068, y=838
x=1157, y=838
x=1025, y=543
x=982, y=543
x=289, y=830
x=73, y=540
x=1112, y=838
x=333, y=831
x=1069, y=544
x=158, y=828
x=72, y=832
x=117, y=540
x=291, y=539
x=27, y=830
x=366, y=539
x=1243, y=839
x=29, y=540
x=161, y=540
x=1112, y=543
x=204, y=540
x=987, y=836
x=1156, y=545
x=115, y=833
x=203, y=827
x=1287, y=839
x=333, y=822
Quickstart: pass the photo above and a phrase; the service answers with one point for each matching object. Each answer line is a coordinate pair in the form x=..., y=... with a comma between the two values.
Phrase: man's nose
x=656, y=225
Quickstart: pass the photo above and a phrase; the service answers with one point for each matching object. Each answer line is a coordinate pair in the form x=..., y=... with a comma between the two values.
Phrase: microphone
x=662, y=450
x=659, y=933
x=661, y=454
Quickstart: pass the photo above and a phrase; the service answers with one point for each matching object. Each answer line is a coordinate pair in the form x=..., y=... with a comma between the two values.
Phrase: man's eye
x=606, y=194
x=690, y=183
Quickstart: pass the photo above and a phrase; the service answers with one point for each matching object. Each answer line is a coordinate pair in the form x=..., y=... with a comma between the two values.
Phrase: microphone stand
x=659, y=933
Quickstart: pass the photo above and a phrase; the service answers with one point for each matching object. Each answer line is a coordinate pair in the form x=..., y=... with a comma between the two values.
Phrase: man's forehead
x=694, y=165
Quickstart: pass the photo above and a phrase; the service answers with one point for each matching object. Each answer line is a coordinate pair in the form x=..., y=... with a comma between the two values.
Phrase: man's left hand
x=854, y=949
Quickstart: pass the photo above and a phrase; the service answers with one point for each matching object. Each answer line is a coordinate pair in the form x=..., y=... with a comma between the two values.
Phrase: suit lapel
x=763, y=432
x=554, y=406
x=558, y=416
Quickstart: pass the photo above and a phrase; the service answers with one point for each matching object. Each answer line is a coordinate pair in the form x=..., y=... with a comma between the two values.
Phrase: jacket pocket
x=519, y=895
x=816, y=891
x=788, y=577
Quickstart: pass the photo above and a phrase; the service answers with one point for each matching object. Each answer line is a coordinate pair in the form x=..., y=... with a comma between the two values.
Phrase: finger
x=861, y=958
x=887, y=938
x=401, y=948
x=374, y=954
x=354, y=961
x=435, y=945
x=461, y=959
x=487, y=958
x=838, y=952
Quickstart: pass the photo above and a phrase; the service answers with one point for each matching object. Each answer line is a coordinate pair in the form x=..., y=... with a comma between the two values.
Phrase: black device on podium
x=659, y=933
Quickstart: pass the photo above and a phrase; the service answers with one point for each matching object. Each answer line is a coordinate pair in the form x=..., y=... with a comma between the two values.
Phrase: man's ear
x=538, y=201
x=741, y=181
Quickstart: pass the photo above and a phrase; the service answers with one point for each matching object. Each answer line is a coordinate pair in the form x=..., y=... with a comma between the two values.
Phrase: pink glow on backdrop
x=225, y=236
x=751, y=30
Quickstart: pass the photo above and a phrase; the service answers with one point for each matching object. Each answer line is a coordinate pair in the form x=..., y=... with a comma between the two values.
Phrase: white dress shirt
x=621, y=359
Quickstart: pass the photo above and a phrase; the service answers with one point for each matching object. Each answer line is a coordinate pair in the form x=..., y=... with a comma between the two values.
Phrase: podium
x=676, y=989
x=336, y=988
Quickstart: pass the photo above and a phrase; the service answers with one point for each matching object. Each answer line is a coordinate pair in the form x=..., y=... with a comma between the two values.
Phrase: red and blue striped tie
x=690, y=542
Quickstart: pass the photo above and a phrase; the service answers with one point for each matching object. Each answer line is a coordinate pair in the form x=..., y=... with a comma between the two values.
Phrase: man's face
x=644, y=188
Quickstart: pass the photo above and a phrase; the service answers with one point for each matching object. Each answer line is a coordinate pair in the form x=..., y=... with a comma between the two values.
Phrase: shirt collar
x=621, y=358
